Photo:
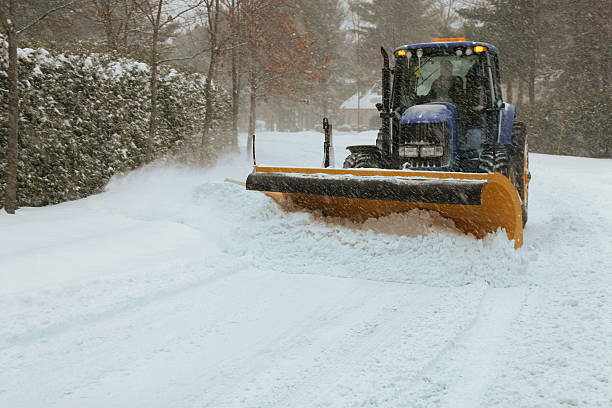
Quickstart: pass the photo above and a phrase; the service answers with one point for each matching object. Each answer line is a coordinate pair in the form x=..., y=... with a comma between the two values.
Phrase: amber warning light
x=400, y=53
x=453, y=39
x=479, y=48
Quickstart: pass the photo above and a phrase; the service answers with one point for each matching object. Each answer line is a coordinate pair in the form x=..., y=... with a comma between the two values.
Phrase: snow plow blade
x=478, y=203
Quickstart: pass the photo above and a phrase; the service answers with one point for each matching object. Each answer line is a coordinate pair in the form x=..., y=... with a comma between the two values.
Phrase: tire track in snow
x=265, y=359
x=458, y=373
x=478, y=352
x=367, y=349
x=564, y=326
x=128, y=305
x=369, y=336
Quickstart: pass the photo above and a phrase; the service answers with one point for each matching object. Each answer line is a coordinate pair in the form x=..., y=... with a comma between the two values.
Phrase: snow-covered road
x=175, y=289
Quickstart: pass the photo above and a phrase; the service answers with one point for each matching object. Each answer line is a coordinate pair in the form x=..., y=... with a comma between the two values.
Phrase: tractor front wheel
x=363, y=157
x=362, y=160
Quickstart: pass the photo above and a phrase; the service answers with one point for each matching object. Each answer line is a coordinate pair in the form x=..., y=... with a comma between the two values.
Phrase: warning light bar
x=453, y=39
x=479, y=48
x=400, y=53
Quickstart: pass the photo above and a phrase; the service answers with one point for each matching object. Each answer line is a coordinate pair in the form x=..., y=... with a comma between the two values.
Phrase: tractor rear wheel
x=495, y=158
x=520, y=161
x=506, y=160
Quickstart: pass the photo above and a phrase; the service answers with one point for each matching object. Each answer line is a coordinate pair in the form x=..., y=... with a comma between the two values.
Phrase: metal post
x=328, y=144
x=254, y=161
x=561, y=136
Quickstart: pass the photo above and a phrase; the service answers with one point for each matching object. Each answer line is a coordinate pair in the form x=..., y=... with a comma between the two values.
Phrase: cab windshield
x=432, y=70
x=436, y=78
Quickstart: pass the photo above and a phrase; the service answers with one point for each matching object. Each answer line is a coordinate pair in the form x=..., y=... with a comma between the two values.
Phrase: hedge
x=84, y=118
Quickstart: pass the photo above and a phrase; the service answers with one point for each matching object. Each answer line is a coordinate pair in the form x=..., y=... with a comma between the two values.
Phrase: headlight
x=409, y=151
x=432, y=151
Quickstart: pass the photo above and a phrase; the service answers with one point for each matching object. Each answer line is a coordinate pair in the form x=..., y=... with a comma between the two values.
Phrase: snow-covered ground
x=176, y=289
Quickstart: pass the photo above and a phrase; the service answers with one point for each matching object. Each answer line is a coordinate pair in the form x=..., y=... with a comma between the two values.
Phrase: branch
x=53, y=10
x=185, y=58
x=198, y=54
x=148, y=12
x=198, y=4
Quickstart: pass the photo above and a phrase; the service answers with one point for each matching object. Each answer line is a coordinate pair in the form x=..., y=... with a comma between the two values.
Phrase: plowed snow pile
x=175, y=288
x=249, y=225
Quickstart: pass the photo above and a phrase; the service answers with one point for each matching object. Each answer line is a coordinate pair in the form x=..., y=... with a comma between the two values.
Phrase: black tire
x=519, y=137
x=520, y=157
x=505, y=159
x=495, y=158
x=362, y=160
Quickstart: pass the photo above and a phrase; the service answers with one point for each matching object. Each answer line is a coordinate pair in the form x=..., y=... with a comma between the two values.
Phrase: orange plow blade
x=478, y=203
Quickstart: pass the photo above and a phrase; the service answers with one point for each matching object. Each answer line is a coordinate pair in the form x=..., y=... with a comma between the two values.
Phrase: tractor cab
x=446, y=105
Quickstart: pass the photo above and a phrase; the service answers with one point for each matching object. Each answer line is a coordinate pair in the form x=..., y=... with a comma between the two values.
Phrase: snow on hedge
x=85, y=117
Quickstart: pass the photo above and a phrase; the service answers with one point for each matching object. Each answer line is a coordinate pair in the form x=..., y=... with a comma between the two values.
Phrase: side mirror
x=379, y=106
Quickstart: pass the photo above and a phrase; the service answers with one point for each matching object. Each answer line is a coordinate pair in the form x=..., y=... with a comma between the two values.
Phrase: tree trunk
x=325, y=105
x=532, y=85
x=235, y=75
x=107, y=21
x=534, y=51
x=10, y=191
x=252, y=112
x=519, y=99
x=153, y=115
x=253, y=90
x=358, y=103
x=208, y=115
x=128, y=10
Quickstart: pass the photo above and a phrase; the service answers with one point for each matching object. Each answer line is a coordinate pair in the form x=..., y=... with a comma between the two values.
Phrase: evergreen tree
x=556, y=53
x=391, y=23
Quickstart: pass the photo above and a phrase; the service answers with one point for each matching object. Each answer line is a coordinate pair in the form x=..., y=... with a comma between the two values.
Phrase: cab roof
x=448, y=44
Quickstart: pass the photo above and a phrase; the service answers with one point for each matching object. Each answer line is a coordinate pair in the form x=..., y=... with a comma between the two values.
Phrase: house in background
x=360, y=113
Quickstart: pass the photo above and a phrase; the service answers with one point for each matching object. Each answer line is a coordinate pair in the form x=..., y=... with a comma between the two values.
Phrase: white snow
x=176, y=289
x=25, y=53
x=367, y=101
x=36, y=71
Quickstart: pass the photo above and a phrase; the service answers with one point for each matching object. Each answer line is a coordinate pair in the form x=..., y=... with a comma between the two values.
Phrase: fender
x=508, y=113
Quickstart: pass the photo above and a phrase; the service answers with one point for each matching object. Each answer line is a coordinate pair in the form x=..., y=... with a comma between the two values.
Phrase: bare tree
x=9, y=22
x=212, y=18
x=280, y=55
x=233, y=7
x=116, y=17
x=443, y=11
x=160, y=15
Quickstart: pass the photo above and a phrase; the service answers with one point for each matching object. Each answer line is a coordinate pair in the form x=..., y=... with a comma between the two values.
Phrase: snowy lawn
x=176, y=289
